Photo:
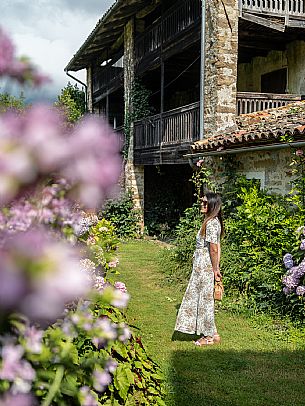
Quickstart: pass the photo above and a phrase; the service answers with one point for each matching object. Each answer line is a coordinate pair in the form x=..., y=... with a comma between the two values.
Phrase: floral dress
x=196, y=313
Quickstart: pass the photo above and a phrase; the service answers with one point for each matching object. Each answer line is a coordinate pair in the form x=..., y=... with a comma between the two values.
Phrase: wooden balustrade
x=172, y=23
x=176, y=126
x=274, y=7
x=250, y=102
x=182, y=125
x=103, y=77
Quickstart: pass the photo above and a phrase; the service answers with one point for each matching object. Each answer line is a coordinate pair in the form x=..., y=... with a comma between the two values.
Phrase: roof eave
x=73, y=65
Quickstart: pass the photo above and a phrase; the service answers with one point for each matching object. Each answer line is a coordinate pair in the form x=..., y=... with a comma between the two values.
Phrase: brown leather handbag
x=218, y=290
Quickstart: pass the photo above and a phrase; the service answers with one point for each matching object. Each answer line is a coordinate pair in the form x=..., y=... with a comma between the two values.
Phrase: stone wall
x=221, y=52
x=270, y=167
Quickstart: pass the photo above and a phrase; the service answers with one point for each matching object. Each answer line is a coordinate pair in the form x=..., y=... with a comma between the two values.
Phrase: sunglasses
x=204, y=203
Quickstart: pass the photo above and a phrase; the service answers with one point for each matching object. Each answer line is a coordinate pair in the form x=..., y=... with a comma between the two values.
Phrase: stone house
x=205, y=103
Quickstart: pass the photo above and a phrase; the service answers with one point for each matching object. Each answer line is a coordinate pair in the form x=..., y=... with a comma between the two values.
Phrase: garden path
x=253, y=365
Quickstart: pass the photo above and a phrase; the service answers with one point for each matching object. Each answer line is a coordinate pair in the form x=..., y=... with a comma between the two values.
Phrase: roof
x=106, y=32
x=258, y=129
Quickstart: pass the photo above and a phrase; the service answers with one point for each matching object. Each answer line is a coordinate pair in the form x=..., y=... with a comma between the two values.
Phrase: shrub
x=258, y=235
x=122, y=214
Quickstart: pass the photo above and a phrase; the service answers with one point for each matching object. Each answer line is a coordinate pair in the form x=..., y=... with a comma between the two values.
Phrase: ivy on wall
x=141, y=108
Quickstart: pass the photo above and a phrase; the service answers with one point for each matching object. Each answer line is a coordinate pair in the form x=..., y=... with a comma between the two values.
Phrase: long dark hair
x=214, y=210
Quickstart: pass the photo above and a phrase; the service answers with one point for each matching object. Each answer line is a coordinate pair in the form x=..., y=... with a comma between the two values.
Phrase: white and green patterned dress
x=196, y=313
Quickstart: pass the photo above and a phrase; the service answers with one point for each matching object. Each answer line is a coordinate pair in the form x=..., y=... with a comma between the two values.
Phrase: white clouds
x=50, y=32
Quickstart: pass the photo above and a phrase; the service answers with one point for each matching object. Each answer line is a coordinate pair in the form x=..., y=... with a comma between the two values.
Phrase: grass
x=252, y=366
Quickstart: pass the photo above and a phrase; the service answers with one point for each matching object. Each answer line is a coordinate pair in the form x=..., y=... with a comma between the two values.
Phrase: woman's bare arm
x=215, y=257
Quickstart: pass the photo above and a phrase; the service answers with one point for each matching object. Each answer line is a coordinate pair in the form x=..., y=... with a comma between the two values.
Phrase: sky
x=50, y=33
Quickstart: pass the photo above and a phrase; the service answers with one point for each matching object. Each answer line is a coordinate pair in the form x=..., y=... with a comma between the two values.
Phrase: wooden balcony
x=247, y=102
x=175, y=22
x=107, y=78
x=165, y=138
x=274, y=7
x=276, y=14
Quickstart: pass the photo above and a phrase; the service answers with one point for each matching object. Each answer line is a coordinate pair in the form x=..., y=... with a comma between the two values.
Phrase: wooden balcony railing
x=176, y=20
x=182, y=125
x=176, y=126
x=103, y=77
x=250, y=102
x=274, y=7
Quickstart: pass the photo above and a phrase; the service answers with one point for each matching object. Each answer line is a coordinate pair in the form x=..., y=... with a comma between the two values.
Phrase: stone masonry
x=272, y=168
x=134, y=175
x=221, y=52
x=89, y=89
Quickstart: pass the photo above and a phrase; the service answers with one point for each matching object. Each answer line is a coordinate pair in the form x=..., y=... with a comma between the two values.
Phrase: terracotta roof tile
x=260, y=128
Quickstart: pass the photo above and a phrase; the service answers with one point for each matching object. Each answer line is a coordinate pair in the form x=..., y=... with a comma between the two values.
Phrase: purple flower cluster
x=15, y=369
x=34, y=271
x=293, y=277
x=20, y=399
x=36, y=143
x=21, y=69
x=83, y=225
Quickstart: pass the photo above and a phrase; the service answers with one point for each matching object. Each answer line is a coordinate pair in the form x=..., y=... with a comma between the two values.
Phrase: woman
x=196, y=313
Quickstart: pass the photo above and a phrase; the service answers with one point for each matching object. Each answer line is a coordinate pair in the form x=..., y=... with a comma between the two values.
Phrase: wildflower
x=101, y=379
x=120, y=286
x=41, y=295
x=19, y=399
x=33, y=338
x=120, y=299
x=302, y=245
x=111, y=365
x=88, y=397
x=300, y=290
x=199, y=163
x=125, y=333
x=14, y=368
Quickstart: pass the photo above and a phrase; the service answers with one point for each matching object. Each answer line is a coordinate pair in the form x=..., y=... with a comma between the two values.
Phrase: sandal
x=216, y=338
x=204, y=341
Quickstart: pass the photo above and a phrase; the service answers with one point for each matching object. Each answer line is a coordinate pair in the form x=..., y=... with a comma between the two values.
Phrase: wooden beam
x=264, y=21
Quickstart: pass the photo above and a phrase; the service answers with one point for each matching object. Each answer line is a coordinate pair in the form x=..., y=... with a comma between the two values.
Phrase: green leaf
x=123, y=378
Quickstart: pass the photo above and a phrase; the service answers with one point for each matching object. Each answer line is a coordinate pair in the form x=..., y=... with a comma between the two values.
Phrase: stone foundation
x=134, y=181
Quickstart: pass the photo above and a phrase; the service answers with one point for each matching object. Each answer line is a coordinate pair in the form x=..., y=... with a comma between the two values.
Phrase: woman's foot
x=204, y=341
x=216, y=338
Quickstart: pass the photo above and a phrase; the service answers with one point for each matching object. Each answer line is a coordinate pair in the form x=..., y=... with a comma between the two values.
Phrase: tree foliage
x=9, y=102
x=73, y=101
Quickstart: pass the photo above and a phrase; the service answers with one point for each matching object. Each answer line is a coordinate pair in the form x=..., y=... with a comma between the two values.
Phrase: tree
x=9, y=102
x=73, y=101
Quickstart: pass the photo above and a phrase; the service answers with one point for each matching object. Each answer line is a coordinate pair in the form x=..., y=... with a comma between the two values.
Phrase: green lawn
x=251, y=366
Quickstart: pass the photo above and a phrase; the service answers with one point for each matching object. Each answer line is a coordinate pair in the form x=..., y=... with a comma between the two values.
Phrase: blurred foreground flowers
x=49, y=173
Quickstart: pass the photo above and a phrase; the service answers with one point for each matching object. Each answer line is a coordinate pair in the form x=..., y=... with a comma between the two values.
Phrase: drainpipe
x=202, y=69
x=85, y=86
x=246, y=149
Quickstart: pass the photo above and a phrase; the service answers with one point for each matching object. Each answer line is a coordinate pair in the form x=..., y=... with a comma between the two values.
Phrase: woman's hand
x=217, y=275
